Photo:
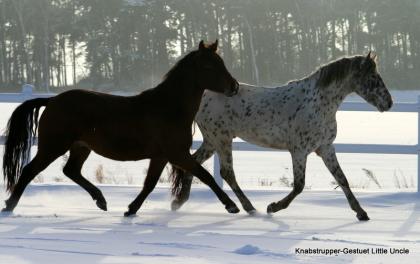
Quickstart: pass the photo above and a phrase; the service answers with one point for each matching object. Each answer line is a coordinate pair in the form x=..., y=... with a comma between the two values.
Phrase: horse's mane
x=333, y=71
x=179, y=67
x=337, y=70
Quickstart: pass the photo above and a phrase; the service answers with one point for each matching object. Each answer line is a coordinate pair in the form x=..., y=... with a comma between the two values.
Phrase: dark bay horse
x=155, y=125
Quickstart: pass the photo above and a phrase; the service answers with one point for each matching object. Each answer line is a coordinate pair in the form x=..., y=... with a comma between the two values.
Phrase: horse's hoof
x=249, y=209
x=252, y=212
x=102, y=205
x=6, y=211
x=175, y=205
x=363, y=216
x=129, y=214
x=271, y=208
x=232, y=209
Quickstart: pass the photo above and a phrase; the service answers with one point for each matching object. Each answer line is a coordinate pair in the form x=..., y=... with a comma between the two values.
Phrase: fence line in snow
x=27, y=93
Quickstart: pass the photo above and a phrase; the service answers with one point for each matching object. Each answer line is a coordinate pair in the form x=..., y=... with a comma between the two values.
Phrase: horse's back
x=117, y=127
x=240, y=107
x=77, y=113
x=254, y=115
x=80, y=99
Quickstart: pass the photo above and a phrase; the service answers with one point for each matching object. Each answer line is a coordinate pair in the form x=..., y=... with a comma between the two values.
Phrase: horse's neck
x=331, y=97
x=185, y=97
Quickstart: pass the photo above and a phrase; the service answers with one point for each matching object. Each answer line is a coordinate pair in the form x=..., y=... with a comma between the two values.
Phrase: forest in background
x=128, y=45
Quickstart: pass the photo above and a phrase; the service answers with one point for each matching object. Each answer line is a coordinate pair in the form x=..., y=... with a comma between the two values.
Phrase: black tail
x=177, y=174
x=20, y=133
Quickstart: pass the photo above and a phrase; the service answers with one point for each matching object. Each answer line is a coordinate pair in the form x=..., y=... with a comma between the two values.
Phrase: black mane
x=183, y=64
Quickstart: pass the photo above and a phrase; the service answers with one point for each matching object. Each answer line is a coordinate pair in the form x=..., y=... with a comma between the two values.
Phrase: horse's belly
x=122, y=156
x=265, y=140
x=123, y=148
x=122, y=152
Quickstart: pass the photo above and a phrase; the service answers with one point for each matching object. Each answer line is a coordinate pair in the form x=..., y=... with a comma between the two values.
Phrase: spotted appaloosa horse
x=299, y=117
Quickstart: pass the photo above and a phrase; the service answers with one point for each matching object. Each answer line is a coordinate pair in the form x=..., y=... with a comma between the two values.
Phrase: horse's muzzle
x=390, y=103
x=386, y=106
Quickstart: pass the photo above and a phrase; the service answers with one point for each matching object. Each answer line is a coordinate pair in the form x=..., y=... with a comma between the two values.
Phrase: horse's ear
x=213, y=46
x=374, y=56
x=201, y=46
x=366, y=63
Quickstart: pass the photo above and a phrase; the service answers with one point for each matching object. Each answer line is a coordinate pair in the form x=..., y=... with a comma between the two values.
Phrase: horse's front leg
x=327, y=153
x=299, y=167
x=227, y=173
x=156, y=167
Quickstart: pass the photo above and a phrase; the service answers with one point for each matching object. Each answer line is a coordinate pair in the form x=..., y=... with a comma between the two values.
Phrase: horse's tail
x=20, y=133
x=176, y=175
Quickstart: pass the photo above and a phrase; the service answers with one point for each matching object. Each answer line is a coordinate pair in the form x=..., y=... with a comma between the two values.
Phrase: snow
x=57, y=222
x=248, y=250
x=60, y=223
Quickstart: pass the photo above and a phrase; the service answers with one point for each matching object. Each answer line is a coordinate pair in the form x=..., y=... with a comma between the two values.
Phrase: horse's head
x=211, y=71
x=369, y=84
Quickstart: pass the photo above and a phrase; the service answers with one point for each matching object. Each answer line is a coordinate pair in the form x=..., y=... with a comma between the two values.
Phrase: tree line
x=128, y=45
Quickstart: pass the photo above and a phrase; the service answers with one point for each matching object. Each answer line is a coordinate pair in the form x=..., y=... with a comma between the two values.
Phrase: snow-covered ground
x=61, y=224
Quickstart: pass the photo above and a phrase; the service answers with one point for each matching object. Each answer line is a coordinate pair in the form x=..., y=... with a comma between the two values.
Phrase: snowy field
x=57, y=222
x=60, y=224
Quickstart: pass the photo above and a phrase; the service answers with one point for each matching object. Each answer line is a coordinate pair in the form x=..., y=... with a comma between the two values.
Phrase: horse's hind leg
x=37, y=164
x=186, y=162
x=299, y=167
x=156, y=167
x=329, y=157
x=203, y=153
x=227, y=173
x=73, y=168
